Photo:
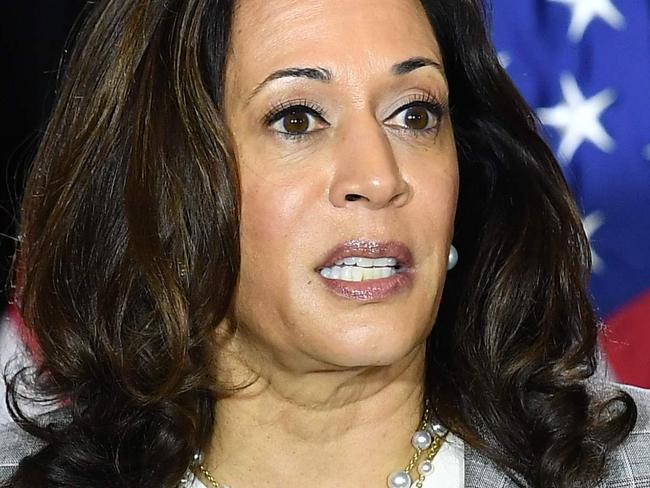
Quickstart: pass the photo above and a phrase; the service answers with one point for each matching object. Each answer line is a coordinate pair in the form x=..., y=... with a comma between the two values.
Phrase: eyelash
x=429, y=102
x=283, y=109
x=426, y=100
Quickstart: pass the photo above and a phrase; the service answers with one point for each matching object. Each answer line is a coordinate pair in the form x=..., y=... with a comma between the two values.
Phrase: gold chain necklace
x=428, y=440
x=210, y=478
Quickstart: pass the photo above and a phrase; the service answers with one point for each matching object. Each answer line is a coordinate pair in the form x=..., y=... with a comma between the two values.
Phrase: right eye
x=297, y=121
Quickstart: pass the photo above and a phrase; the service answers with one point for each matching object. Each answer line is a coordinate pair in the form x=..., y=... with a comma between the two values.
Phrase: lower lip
x=371, y=290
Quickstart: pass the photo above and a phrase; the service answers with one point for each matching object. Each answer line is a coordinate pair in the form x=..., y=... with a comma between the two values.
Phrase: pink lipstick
x=392, y=260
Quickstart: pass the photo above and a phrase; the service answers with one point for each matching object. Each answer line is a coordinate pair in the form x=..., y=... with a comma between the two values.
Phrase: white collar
x=448, y=465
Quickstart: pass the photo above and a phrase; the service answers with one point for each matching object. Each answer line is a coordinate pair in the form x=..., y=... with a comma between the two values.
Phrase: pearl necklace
x=428, y=440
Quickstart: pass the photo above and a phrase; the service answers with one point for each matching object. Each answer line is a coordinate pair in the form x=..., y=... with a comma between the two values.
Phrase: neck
x=324, y=428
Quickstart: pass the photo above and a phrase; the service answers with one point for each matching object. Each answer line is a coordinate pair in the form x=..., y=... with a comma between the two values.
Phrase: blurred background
x=582, y=65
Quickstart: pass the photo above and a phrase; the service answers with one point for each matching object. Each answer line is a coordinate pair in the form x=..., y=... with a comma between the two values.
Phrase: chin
x=363, y=346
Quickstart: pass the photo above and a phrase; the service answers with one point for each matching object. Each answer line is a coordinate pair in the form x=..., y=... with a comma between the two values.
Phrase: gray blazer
x=629, y=467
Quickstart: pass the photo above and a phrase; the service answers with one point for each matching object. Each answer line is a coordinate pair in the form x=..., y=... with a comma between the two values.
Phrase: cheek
x=281, y=197
x=432, y=214
x=435, y=188
x=439, y=197
x=275, y=220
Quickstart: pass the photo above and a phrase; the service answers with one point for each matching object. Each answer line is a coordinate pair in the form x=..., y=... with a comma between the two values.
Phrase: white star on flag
x=591, y=224
x=585, y=11
x=577, y=118
x=504, y=59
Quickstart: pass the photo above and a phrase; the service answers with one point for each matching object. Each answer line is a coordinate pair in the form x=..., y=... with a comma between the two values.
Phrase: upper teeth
x=367, y=262
x=359, y=269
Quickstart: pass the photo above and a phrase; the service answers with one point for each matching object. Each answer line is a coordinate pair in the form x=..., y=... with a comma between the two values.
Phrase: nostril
x=352, y=197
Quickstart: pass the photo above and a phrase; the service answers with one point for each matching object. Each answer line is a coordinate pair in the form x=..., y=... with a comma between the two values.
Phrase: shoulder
x=15, y=445
x=629, y=464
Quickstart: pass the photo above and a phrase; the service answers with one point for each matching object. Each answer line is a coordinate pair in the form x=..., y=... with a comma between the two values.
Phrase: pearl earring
x=453, y=258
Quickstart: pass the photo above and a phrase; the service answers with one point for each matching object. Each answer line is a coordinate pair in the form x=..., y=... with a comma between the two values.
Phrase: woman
x=237, y=239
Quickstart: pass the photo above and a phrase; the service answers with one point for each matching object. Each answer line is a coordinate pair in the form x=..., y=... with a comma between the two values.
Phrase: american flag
x=584, y=67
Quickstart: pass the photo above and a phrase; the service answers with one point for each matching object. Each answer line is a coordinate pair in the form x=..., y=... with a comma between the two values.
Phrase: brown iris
x=296, y=122
x=416, y=118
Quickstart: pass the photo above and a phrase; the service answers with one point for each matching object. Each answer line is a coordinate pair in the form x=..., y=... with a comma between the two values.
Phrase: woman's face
x=342, y=136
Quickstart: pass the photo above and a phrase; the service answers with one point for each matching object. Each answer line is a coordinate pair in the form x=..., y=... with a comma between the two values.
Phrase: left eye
x=418, y=116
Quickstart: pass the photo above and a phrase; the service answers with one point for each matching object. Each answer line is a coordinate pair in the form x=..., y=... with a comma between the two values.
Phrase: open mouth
x=367, y=270
x=358, y=268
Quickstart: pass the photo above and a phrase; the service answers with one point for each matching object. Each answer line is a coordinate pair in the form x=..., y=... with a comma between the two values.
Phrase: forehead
x=343, y=35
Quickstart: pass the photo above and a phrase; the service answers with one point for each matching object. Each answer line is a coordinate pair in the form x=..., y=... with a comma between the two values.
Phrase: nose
x=367, y=172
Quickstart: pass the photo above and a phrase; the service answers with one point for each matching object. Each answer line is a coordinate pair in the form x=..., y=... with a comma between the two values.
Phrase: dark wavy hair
x=130, y=254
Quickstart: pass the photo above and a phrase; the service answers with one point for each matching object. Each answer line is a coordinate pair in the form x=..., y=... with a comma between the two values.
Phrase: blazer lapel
x=480, y=472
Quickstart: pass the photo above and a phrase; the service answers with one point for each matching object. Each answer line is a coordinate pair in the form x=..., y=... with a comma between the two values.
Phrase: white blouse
x=448, y=466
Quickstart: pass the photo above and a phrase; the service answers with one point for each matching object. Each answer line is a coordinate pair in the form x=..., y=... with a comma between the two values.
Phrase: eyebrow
x=318, y=74
x=412, y=64
x=325, y=75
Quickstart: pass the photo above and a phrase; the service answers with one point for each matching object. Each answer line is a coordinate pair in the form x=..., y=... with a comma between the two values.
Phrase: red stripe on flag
x=626, y=342
x=25, y=334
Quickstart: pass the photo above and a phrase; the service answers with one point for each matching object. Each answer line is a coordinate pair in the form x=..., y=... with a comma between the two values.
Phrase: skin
x=336, y=384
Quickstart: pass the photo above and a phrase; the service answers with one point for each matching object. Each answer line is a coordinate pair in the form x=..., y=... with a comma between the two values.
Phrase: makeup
x=367, y=270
